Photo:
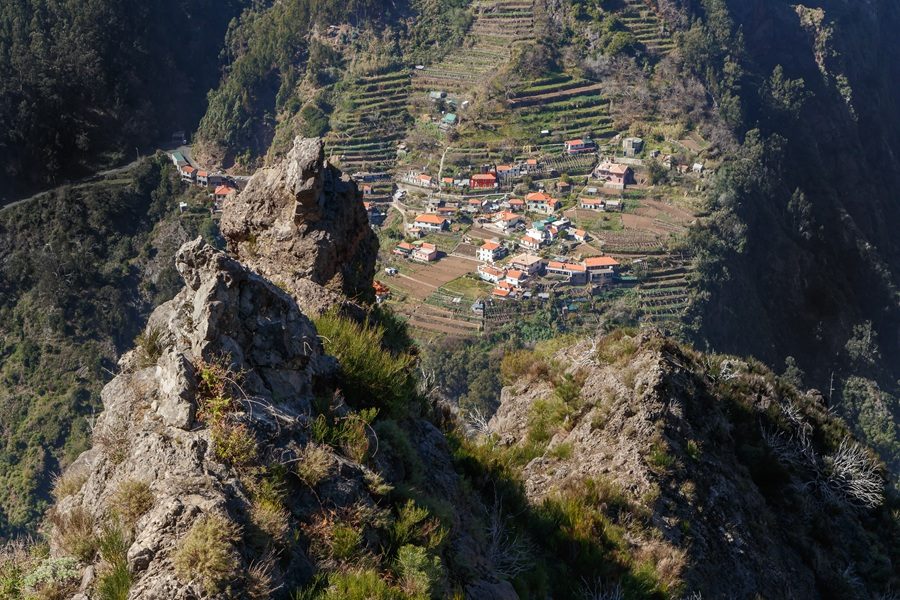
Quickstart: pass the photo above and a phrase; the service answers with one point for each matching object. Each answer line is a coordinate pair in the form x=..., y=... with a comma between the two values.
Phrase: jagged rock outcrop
x=147, y=431
x=302, y=225
x=159, y=432
x=711, y=466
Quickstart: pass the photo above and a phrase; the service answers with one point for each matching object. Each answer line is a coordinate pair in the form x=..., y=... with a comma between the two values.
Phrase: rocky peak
x=301, y=224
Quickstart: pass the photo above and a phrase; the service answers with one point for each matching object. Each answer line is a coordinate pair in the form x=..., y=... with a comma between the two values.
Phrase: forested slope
x=802, y=241
x=84, y=82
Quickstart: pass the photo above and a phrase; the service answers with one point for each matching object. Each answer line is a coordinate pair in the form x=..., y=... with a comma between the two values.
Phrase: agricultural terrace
x=497, y=26
x=641, y=20
x=565, y=105
x=369, y=122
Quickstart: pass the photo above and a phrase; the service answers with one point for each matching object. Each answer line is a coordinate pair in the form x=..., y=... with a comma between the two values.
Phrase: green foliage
x=419, y=572
x=348, y=434
x=207, y=555
x=346, y=541
x=413, y=525
x=617, y=347
x=358, y=585
x=53, y=577
x=149, y=347
x=370, y=374
x=69, y=98
x=114, y=581
x=545, y=417
x=75, y=532
x=73, y=295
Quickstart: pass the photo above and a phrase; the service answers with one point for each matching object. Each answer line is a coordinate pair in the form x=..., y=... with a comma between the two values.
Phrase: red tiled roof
x=490, y=246
x=515, y=274
x=501, y=292
x=431, y=219
x=538, y=197
x=224, y=190
x=484, y=177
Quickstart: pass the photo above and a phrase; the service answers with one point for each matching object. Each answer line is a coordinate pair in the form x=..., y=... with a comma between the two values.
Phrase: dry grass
x=313, y=464
x=206, y=555
x=67, y=484
x=131, y=501
x=75, y=532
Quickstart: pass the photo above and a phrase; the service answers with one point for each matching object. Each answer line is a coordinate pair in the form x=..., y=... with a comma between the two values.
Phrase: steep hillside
x=687, y=467
x=82, y=83
x=802, y=237
x=80, y=270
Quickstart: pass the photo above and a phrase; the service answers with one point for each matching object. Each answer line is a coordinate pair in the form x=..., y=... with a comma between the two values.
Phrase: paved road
x=185, y=150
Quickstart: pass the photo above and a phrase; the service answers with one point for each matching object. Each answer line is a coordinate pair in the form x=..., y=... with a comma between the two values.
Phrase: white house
x=528, y=263
x=425, y=252
x=490, y=252
x=430, y=222
x=491, y=274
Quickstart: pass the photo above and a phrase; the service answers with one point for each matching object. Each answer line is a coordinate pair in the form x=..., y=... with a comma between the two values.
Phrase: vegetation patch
x=206, y=555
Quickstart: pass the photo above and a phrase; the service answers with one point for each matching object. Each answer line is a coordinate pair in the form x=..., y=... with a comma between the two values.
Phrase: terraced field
x=369, y=123
x=565, y=105
x=663, y=295
x=640, y=18
x=498, y=25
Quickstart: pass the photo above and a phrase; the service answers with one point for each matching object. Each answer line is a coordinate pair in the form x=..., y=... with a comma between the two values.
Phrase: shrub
x=419, y=573
x=114, y=582
x=518, y=363
x=370, y=375
x=206, y=555
x=53, y=578
x=349, y=433
x=233, y=444
x=545, y=417
x=414, y=525
x=75, y=531
x=561, y=451
x=659, y=457
x=313, y=464
x=358, y=585
x=150, y=346
x=346, y=540
x=67, y=484
x=271, y=518
x=15, y=562
x=113, y=439
x=131, y=501
x=617, y=346
x=214, y=397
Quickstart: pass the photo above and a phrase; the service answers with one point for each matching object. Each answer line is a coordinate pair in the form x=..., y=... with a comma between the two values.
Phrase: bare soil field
x=421, y=280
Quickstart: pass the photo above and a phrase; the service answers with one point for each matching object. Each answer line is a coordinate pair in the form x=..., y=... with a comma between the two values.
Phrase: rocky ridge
x=715, y=466
x=300, y=224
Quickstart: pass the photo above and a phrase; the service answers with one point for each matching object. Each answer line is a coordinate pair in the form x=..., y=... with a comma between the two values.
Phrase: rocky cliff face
x=723, y=476
x=301, y=225
x=207, y=440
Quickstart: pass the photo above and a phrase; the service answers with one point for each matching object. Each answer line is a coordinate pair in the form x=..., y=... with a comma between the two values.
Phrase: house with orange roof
x=491, y=251
x=483, y=181
x=491, y=274
x=430, y=222
x=403, y=249
x=531, y=165
x=425, y=252
x=516, y=204
x=222, y=192
x=591, y=203
x=202, y=177
x=541, y=202
x=504, y=171
x=188, y=173
x=501, y=292
x=516, y=277
x=600, y=267
x=579, y=235
x=574, y=273
x=530, y=243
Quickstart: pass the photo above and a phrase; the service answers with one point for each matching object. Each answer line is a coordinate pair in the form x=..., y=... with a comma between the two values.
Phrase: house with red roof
x=516, y=204
x=403, y=249
x=527, y=263
x=591, y=203
x=483, y=181
x=579, y=146
x=516, y=277
x=579, y=235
